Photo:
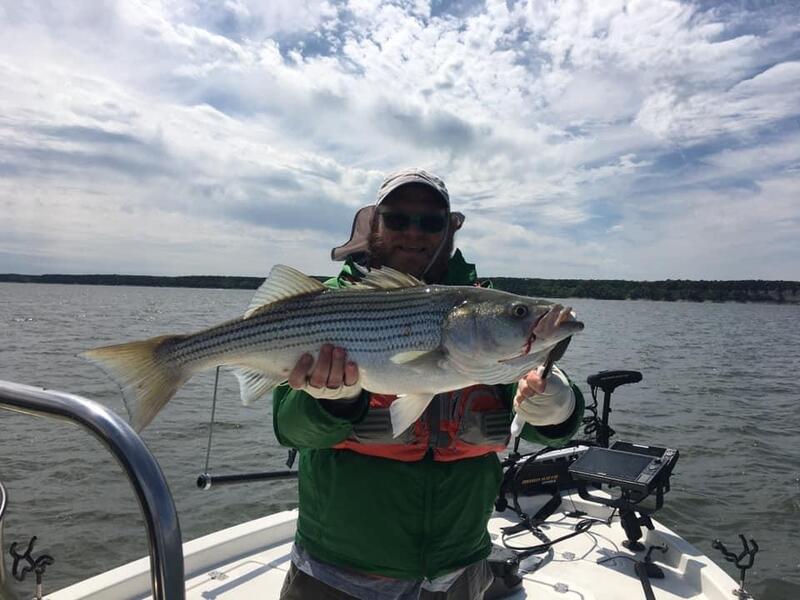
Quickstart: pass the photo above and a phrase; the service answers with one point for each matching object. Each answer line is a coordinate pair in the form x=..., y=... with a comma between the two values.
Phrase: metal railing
x=141, y=468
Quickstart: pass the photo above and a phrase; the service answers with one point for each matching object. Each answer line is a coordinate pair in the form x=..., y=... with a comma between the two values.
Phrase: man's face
x=409, y=250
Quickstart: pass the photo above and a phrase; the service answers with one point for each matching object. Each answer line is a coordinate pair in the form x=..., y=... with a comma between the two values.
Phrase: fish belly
x=399, y=380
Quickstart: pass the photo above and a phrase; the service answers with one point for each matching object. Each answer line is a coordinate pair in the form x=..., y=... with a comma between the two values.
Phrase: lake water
x=720, y=384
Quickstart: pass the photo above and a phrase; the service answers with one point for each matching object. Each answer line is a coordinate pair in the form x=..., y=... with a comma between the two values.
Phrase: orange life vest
x=461, y=424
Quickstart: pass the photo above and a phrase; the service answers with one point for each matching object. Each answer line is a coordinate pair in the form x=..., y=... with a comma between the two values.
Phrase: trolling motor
x=608, y=381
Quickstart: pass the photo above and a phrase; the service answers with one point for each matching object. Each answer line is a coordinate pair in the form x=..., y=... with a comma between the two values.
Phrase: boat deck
x=250, y=561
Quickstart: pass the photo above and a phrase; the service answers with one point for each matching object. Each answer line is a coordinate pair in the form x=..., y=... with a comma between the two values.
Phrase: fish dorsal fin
x=386, y=278
x=283, y=282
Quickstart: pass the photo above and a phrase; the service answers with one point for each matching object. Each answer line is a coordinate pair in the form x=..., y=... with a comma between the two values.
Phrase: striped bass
x=408, y=338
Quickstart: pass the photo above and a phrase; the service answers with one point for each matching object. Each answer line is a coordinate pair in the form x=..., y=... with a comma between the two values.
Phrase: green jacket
x=408, y=520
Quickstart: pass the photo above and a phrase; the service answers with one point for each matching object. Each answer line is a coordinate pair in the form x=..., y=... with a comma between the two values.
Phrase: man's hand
x=332, y=377
x=541, y=402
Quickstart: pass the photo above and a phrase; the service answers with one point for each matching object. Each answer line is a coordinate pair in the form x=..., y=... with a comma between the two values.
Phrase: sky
x=622, y=139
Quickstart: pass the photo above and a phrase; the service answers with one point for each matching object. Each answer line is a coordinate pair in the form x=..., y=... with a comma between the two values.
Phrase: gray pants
x=469, y=586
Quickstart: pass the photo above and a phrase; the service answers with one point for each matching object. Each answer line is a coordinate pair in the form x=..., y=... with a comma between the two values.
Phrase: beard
x=379, y=256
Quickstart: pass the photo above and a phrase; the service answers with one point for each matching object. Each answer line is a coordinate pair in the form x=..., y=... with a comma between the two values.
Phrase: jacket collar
x=459, y=271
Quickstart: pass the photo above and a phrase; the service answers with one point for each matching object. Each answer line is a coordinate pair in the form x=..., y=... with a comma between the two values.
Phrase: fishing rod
x=205, y=481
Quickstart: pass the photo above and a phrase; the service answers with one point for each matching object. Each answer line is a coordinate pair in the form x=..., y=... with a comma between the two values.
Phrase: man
x=403, y=518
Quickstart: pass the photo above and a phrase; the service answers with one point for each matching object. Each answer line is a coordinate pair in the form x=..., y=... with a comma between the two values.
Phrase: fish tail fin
x=146, y=378
x=407, y=409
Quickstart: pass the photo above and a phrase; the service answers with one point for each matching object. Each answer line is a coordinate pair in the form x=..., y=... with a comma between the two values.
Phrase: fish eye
x=519, y=310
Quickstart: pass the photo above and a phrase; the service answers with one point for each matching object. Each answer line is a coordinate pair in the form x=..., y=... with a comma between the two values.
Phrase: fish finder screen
x=619, y=465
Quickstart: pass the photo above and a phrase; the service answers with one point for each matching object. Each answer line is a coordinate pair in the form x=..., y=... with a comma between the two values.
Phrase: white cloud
x=741, y=234
x=750, y=104
x=572, y=128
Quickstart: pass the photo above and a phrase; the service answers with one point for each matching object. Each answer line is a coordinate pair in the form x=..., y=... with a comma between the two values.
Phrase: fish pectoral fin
x=282, y=283
x=407, y=409
x=410, y=357
x=254, y=384
x=424, y=360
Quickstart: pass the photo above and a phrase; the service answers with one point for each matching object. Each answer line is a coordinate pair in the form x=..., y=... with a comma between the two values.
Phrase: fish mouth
x=563, y=318
x=526, y=349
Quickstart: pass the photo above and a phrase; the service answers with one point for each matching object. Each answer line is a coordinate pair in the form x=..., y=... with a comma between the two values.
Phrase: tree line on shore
x=666, y=290
x=603, y=289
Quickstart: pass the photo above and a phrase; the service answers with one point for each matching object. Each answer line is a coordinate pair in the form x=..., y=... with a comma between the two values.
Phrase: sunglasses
x=397, y=221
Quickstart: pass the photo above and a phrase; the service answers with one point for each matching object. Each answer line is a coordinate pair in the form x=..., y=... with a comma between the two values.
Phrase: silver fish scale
x=370, y=325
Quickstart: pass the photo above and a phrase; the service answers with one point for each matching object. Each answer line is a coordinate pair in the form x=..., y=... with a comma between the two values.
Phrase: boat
x=585, y=541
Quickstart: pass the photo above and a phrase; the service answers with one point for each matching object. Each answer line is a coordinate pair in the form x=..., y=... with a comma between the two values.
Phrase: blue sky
x=643, y=139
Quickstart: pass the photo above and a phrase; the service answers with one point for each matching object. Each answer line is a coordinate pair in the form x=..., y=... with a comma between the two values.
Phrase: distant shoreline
x=775, y=292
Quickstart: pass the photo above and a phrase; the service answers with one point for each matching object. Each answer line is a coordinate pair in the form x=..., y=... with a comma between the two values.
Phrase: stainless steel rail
x=155, y=500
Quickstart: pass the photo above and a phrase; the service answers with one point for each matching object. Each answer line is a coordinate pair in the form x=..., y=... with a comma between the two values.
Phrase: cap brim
x=359, y=235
